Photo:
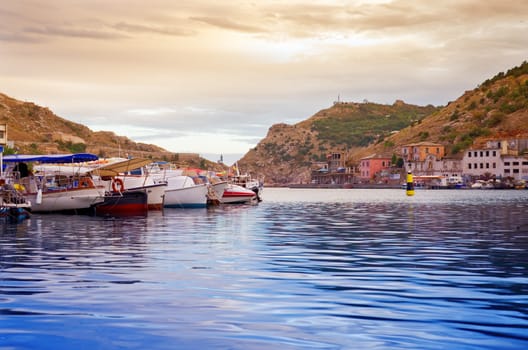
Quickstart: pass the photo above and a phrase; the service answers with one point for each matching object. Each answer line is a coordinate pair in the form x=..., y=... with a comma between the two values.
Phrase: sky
x=211, y=77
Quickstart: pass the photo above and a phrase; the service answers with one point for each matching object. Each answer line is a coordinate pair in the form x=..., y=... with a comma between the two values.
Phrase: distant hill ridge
x=35, y=129
x=497, y=108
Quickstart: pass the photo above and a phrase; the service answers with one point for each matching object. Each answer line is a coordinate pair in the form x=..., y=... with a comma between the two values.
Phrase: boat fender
x=38, y=200
x=117, y=185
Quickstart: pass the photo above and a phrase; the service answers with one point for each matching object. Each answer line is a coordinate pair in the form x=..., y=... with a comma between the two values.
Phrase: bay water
x=304, y=269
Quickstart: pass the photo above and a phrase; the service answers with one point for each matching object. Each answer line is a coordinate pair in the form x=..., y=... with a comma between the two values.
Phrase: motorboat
x=183, y=192
x=246, y=181
x=126, y=203
x=125, y=175
x=235, y=194
x=65, y=186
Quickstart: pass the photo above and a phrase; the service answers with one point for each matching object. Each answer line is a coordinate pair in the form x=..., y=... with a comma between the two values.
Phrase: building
x=336, y=161
x=334, y=172
x=434, y=166
x=427, y=162
x=372, y=165
x=499, y=159
x=3, y=134
x=414, y=152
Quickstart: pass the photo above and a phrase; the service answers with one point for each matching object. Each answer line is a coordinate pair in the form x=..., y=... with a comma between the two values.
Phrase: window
x=494, y=153
x=475, y=165
x=469, y=166
x=487, y=165
x=524, y=163
x=515, y=163
x=506, y=171
x=494, y=165
x=506, y=163
x=481, y=165
x=487, y=153
x=516, y=171
x=469, y=154
x=481, y=153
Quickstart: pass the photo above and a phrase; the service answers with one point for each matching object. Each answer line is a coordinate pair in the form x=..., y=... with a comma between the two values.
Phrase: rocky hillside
x=496, y=108
x=37, y=130
x=287, y=153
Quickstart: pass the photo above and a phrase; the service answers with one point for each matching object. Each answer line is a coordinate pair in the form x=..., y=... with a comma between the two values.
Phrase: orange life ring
x=118, y=185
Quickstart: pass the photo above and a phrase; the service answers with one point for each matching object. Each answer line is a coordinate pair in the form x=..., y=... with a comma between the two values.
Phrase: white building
x=433, y=166
x=478, y=162
x=500, y=159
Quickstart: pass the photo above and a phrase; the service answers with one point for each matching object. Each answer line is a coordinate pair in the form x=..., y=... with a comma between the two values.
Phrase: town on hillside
x=500, y=163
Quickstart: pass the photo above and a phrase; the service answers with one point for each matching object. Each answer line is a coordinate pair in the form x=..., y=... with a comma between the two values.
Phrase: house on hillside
x=333, y=172
x=414, y=152
x=372, y=166
x=428, y=163
x=498, y=160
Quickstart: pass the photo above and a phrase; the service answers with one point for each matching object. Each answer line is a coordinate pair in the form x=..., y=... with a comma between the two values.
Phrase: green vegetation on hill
x=360, y=124
x=498, y=108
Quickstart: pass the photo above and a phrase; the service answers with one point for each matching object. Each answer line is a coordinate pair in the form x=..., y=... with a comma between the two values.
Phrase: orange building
x=372, y=165
x=418, y=152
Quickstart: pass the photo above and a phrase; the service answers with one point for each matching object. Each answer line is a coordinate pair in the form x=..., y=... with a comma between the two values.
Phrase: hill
x=286, y=154
x=497, y=108
x=37, y=130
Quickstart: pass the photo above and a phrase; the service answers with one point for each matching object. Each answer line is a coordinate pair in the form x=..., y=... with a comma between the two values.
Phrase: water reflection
x=325, y=269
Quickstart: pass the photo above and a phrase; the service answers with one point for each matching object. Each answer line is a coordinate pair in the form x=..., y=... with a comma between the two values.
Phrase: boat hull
x=127, y=203
x=234, y=194
x=186, y=197
x=14, y=214
x=66, y=200
x=219, y=188
x=155, y=194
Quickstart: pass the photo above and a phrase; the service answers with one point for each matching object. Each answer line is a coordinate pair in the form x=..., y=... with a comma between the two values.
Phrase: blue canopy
x=50, y=158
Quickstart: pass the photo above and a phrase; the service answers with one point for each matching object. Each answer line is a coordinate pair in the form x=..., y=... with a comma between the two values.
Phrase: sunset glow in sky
x=211, y=77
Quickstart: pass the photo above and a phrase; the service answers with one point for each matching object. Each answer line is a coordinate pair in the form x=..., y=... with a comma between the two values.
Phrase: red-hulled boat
x=126, y=203
x=238, y=194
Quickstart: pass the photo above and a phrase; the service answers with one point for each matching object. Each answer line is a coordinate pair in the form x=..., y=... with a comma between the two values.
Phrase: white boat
x=58, y=188
x=218, y=188
x=481, y=184
x=129, y=175
x=182, y=192
x=238, y=194
x=246, y=181
x=215, y=186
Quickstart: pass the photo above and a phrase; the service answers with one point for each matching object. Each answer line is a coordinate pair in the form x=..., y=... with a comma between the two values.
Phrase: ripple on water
x=303, y=269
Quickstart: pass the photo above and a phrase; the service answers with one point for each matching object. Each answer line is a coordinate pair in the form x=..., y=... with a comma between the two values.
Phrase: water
x=305, y=269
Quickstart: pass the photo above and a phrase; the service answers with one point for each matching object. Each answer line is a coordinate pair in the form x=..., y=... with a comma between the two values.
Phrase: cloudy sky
x=212, y=76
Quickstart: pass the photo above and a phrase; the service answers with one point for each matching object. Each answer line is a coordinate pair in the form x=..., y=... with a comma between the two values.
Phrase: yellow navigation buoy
x=410, y=184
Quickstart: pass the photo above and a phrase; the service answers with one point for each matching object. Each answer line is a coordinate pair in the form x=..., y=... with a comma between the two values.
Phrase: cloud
x=152, y=29
x=230, y=70
x=224, y=23
x=75, y=32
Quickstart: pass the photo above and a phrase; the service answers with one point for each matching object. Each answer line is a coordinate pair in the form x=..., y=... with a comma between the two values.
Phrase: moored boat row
x=80, y=183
